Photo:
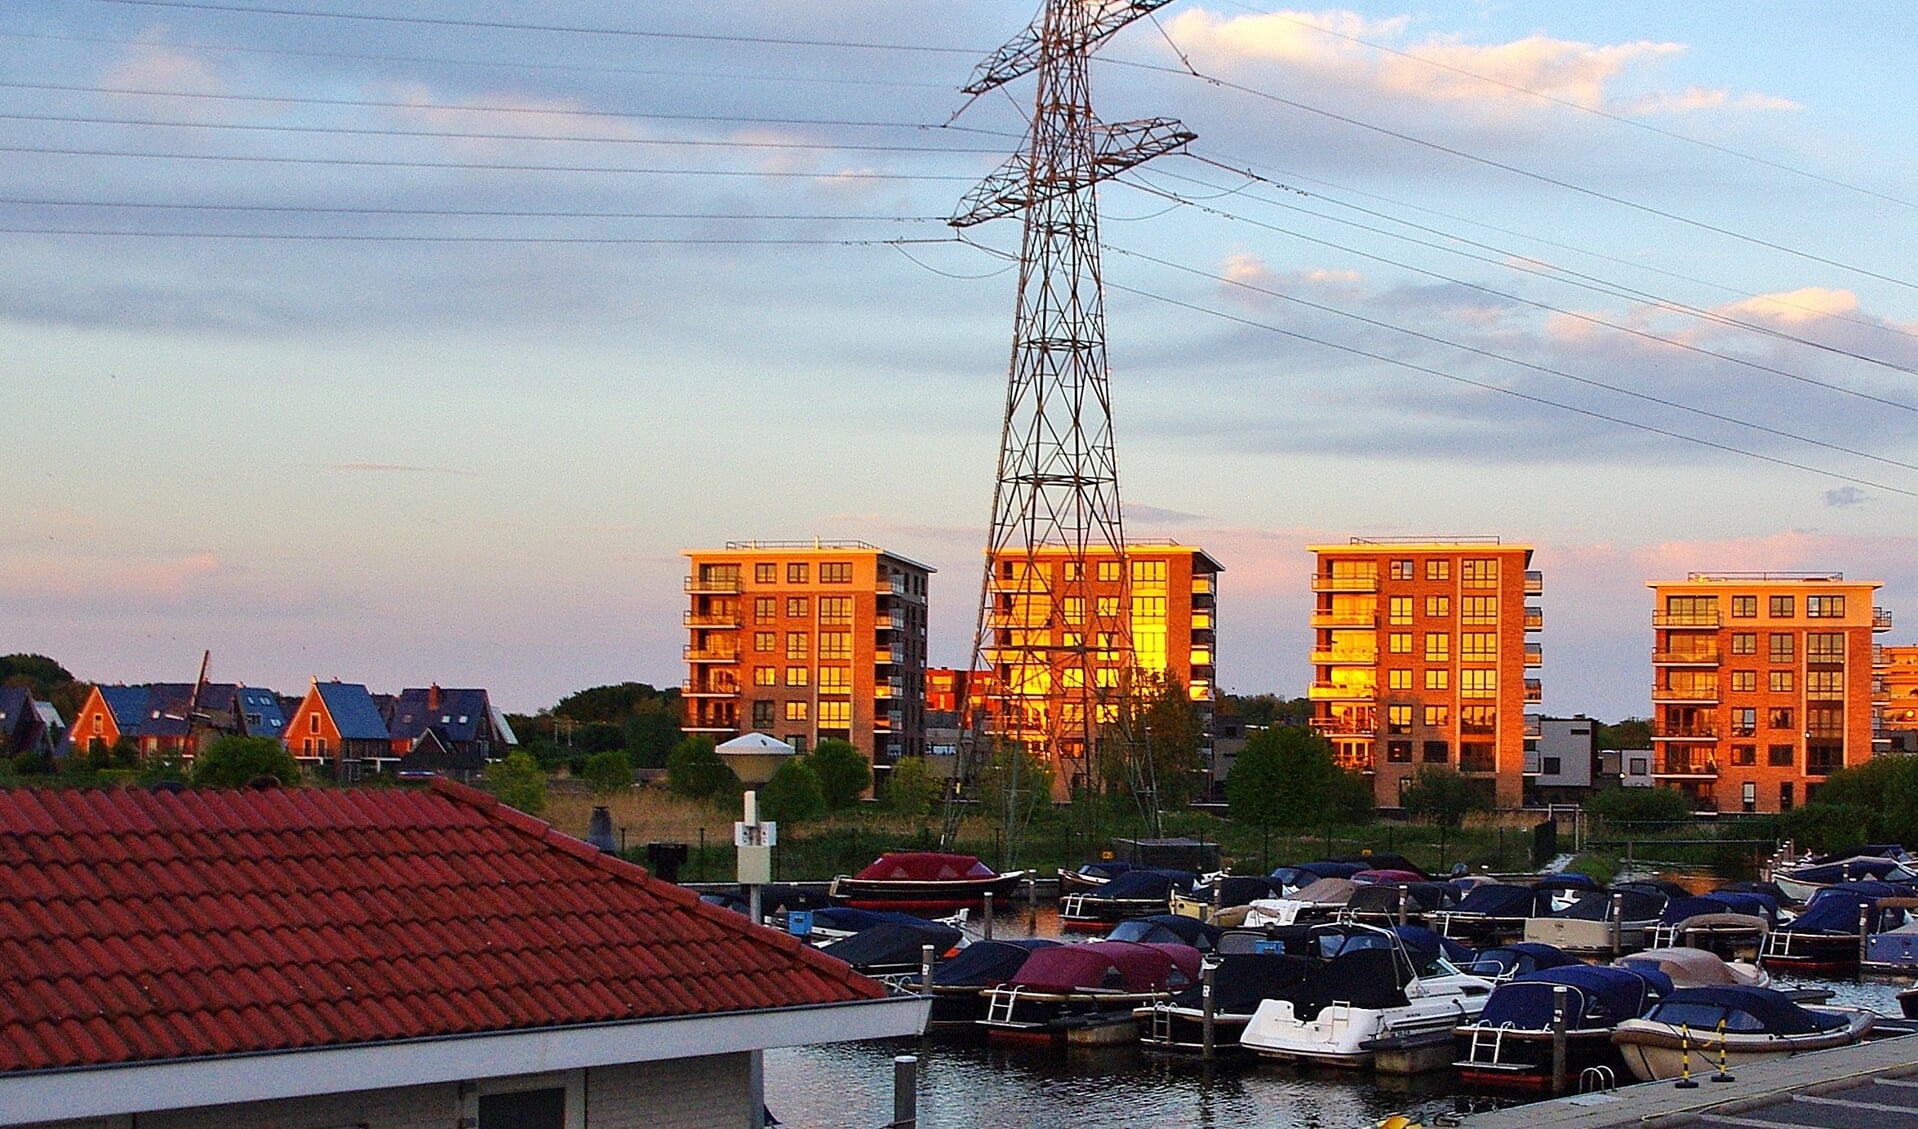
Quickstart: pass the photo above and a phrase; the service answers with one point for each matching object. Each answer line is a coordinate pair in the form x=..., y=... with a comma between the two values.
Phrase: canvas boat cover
x=1834, y=909
x=1420, y=897
x=1120, y=966
x=1104, y=870
x=1743, y=1010
x=1306, y=873
x=1691, y=968
x=1596, y=905
x=1143, y=885
x=1698, y=905
x=924, y=866
x=1239, y=890
x=846, y=919
x=1288, y=938
x=893, y=943
x=1660, y=886
x=1326, y=892
x=1496, y=900
x=1424, y=946
x=1596, y=997
x=1166, y=928
x=1853, y=869
x=985, y=963
x=1518, y=959
x=1568, y=880
x=1244, y=980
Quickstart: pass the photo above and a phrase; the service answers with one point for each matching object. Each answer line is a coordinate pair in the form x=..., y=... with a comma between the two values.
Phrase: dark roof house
x=462, y=722
x=27, y=726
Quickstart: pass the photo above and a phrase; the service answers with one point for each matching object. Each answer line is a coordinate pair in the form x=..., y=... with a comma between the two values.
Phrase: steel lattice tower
x=1059, y=656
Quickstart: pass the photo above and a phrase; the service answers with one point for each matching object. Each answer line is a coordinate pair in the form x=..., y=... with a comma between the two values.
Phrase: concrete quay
x=1870, y=1085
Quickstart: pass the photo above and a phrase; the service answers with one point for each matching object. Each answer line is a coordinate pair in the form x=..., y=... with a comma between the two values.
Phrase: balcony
x=709, y=655
x=890, y=586
x=1534, y=725
x=1703, y=694
x=1534, y=691
x=1484, y=766
x=1335, y=727
x=1345, y=619
x=890, y=688
x=1878, y=655
x=890, y=621
x=1345, y=583
x=1686, y=766
x=1686, y=658
x=724, y=619
x=1353, y=762
x=714, y=585
x=1534, y=618
x=888, y=656
x=892, y=720
x=692, y=688
x=1204, y=586
x=1685, y=620
x=1345, y=658
x=1701, y=732
x=1340, y=692
x=1534, y=655
x=1881, y=619
x=1534, y=582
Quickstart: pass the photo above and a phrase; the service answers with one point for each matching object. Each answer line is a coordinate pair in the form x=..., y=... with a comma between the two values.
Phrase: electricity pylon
x=1053, y=635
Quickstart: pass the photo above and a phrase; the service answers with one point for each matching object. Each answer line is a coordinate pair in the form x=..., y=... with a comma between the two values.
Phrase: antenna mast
x=1053, y=636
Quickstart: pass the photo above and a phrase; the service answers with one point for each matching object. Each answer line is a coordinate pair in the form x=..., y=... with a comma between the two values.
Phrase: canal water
x=975, y=1085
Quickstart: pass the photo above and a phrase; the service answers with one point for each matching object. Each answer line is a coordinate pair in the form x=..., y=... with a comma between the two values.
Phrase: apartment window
x=835, y=611
x=1399, y=752
x=835, y=572
x=1108, y=607
x=797, y=572
x=798, y=607
x=1781, y=647
x=1744, y=607
x=797, y=741
x=1784, y=795
x=765, y=676
x=1781, y=606
x=1106, y=676
x=1073, y=677
x=1148, y=572
x=1551, y=766
x=1399, y=643
x=1825, y=684
x=1438, y=607
x=1478, y=572
x=1438, y=568
x=1109, y=570
x=1075, y=570
x=1824, y=607
x=1744, y=755
x=1745, y=642
x=312, y=721
x=1398, y=679
x=835, y=715
x=762, y=715
x=1438, y=678
x=1437, y=752
x=798, y=675
x=1438, y=717
x=1780, y=681
x=1399, y=611
x=1478, y=683
x=1779, y=717
x=1477, y=719
x=765, y=609
x=765, y=572
x=1744, y=680
x=1638, y=766
x=1438, y=647
x=765, y=642
x=1825, y=647
x=1401, y=570
x=1691, y=610
x=1748, y=796
x=1148, y=607
x=797, y=711
x=1478, y=611
x=1781, y=756
x=1478, y=646
x=798, y=644
x=1744, y=721
x=1072, y=609
x=835, y=644
x=1398, y=719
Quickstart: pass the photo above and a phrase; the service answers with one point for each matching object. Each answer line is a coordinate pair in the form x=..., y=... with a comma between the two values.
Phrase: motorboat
x=1365, y=987
x=1892, y=944
x=1733, y=925
x=1500, y=963
x=835, y=923
x=1301, y=875
x=1489, y=914
x=1320, y=901
x=1827, y=936
x=1166, y=928
x=1802, y=881
x=1091, y=876
x=1696, y=968
x=928, y=880
x=896, y=949
x=1600, y=921
x=1139, y=892
x=958, y=985
x=1224, y=893
x=1509, y=1045
x=1396, y=902
x=1086, y=992
x=1734, y=1026
x=1247, y=968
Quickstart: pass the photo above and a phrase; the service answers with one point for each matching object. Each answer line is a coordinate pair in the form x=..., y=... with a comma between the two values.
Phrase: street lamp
x=754, y=759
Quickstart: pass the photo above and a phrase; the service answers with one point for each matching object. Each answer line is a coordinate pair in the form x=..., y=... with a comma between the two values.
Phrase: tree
x=1013, y=785
x=1292, y=779
x=1438, y=794
x=844, y=774
x=518, y=782
x=695, y=771
x=793, y=795
x=1256, y=788
x=1639, y=805
x=1632, y=733
x=235, y=762
x=910, y=788
x=45, y=679
x=608, y=772
x=1173, y=732
x=599, y=737
x=652, y=732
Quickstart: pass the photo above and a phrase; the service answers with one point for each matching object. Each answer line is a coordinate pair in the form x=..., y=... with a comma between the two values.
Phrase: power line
x=337, y=237
x=457, y=213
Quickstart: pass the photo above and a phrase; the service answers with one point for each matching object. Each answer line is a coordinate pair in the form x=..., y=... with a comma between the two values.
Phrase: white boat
x=1801, y=881
x=1365, y=988
x=1320, y=900
x=1699, y=968
x=1698, y=1028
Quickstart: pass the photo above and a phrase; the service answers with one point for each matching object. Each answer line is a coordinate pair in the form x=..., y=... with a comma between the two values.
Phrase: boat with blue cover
x=1733, y=1025
x=1509, y=1045
x=958, y=1002
x=1600, y=921
x=1825, y=938
x=1500, y=963
x=1730, y=923
x=1139, y=892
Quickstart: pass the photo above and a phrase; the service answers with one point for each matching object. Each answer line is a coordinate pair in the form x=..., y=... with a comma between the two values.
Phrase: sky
x=416, y=348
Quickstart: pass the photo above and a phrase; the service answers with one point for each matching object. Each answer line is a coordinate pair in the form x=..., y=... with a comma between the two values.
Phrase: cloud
x=1796, y=307
x=1846, y=496
x=1701, y=98
x=1136, y=512
x=398, y=468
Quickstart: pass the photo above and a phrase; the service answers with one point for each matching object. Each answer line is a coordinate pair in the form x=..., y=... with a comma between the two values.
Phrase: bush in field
x=1438, y=794
x=793, y=794
x=518, y=782
x=608, y=772
x=844, y=775
x=235, y=762
x=1640, y=805
x=695, y=771
x=910, y=787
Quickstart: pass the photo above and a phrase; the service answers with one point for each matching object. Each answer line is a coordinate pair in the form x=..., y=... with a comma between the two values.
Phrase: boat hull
x=902, y=894
x=1655, y=1052
x=1521, y=1059
x=1344, y=1036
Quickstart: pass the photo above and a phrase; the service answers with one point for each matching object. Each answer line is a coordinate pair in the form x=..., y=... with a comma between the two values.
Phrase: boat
x=1090, y=876
x=1802, y=881
x=1734, y=1026
x=1320, y=901
x=1490, y=914
x=1301, y=875
x=1826, y=936
x=1892, y=944
x=1510, y=1044
x=1696, y=968
x=1600, y=921
x=1086, y=993
x=959, y=984
x=1733, y=925
x=1500, y=963
x=1139, y=892
x=926, y=880
x=834, y=923
x=1167, y=928
x=1223, y=893
x=1364, y=989
x=1397, y=902
x=1247, y=970
x=896, y=949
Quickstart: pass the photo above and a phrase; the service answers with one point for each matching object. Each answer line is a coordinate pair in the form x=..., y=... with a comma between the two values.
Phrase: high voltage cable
x=465, y=135
x=1607, y=115
x=368, y=162
x=563, y=29
x=1550, y=272
x=1505, y=166
x=490, y=213
x=1534, y=303
x=333, y=237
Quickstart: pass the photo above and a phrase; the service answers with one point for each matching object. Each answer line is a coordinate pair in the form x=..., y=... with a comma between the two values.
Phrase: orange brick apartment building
x=1763, y=684
x=1420, y=653
x=806, y=641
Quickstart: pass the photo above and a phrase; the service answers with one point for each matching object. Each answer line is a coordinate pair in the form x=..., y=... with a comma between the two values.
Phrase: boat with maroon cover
x=1091, y=989
x=923, y=880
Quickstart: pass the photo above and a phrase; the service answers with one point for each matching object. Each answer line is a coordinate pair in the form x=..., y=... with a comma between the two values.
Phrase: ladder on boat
x=1487, y=1038
x=1000, y=1003
x=1162, y=1024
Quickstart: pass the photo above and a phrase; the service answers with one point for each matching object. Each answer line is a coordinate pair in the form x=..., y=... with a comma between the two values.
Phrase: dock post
x=988, y=915
x=905, y=1092
x=1618, y=925
x=1032, y=896
x=1402, y=889
x=1559, y=999
x=1864, y=924
x=1207, y=977
x=925, y=970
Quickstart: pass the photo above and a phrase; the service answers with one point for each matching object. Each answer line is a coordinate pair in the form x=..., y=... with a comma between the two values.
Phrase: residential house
x=447, y=731
x=28, y=727
x=338, y=727
x=175, y=718
x=386, y=959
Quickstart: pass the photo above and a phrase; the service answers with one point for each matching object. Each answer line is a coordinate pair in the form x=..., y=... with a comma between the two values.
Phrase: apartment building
x=1420, y=655
x=1898, y=716
x=1763, y=684
x=1056, y=631
x=808, y=641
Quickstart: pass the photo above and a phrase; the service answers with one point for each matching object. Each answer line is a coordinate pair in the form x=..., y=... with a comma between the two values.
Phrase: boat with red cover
x=1087, y=993
x=923, y=880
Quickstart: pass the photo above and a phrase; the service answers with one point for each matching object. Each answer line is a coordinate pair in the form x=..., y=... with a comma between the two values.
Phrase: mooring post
x=1559, y=1000
x=905, y=1092
x=1032, y=896
x=988, y=915
x=1618, y=924
x=925, y=969
x=1207, y=977
x=1864, y=924
x=1402, y=891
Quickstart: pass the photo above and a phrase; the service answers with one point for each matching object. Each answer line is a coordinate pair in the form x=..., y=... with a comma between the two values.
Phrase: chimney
x=433, y=698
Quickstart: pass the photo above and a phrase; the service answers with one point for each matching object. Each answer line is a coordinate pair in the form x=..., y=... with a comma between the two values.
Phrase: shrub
x=695, y=771
x=235, y=762
x=518, y=782
x=910, y=788
x=1438, y=794
x=793, y=794
x=1639, y=805
x=844, y=775
x=608, y=771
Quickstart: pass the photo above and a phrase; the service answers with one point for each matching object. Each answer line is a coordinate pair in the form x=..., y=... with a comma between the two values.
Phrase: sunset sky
x=416, y=348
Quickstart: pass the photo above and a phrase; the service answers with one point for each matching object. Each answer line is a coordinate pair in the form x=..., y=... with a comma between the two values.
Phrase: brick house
x=449, y=731
x=338, y=726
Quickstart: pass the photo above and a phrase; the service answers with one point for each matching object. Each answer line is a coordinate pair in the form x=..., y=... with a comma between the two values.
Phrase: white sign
x=755, y=834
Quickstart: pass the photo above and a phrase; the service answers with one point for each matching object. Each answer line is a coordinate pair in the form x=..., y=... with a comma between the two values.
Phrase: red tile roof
x=138, y=926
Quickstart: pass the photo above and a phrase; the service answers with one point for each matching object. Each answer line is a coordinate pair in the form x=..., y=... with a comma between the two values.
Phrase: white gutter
x=143, y=1087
